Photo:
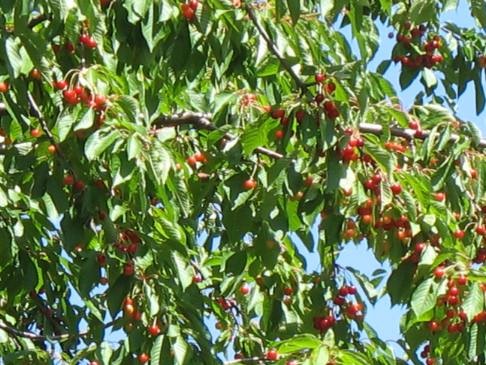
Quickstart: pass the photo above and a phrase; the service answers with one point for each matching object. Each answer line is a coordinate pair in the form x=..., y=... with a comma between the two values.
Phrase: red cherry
x=396, y=189
x=439, y=197
x=272, y=355
x=352, y=290
x=99, y=101
x=300, y=115
x=191, y=161
x=193, y=4
x=277, y=113
x=197, y=278
x=279, y=134
x=439, y=272
x=68, y=180
x=453, y=291
x=452, y=300
x=319, y=98
x=70, y=97
x=36, y=132
x=481, y=230
x=244, y=289
x=60, y=85
x=434, y=326
x=101, y=259
x=4, y=87
x=79, y=185
x=143, y=358
x=249, y=184
x=91, y=43
x=419, y=247
x=330, y=87
x=288, y=290
x=309, y=180
x=128, y=269
x=339, y=300
x=462, y=280
x=93, y=363
x=84, y=38
x=430, y=361
x=154, y=330
x=459, y=234
x=320, y=78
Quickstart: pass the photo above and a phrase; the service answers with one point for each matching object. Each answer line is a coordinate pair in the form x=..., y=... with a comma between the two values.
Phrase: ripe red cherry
x=93, y=363
x=292, y=362
x=430, y=361
x=299, y=115
x=193, y=4
x=91, y=43
x=439, y=197
x=244, y=289
x=413, y=124
x=343, y=291
x=419, y=247
x=439, y=272
x=143, y=358
x=35, y=74
x=36, y=132
x=128, y=269
x=396, y=189
x=4, y=87
x=84, y=38
x=154, y=330
x=352, y=290
x=60, y=85
x=462, y=280
x=272, y=355
x=197, y=278
x=459, y=234
x=481, y=230
x=320, y=77
x=101, y=259
x=288, y=290
x=339, y=300
x=279, y=134
x=309, y=180
x=453, y=291
x=99, y=101
x=277, y=113
x=70, y=97
x=250, y=184
x=68, y=180
x=434, y=326
x=79, y=185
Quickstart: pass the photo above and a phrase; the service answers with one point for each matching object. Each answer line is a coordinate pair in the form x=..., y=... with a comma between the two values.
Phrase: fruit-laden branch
x=407, y=133
x=273, y=48
x=202, y=121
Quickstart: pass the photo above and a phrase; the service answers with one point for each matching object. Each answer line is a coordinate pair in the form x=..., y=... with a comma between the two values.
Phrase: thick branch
x=39, y=19
x=273, y=48
x=203, y=121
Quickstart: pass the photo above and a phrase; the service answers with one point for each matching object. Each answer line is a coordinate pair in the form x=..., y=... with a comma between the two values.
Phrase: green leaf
x=353, y=358
x=424, y=297
x=64, y=124
x=183, y=270
x=320, y=355
x=474, y=301
x=298, y=343
x=99, y=141
x=422, y=11
x=294, y=8
x=180, y=349
x=86, y=121
x=429, y=78
x=160, y=161
x=156, y=352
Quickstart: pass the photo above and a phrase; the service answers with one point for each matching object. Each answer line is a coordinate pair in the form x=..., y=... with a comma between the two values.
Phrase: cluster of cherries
x=413, y=35
x=79, y=94
x=189, y=9
x=87, y=40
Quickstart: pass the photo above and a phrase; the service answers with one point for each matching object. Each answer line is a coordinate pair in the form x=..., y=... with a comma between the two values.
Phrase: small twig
x=273, y=48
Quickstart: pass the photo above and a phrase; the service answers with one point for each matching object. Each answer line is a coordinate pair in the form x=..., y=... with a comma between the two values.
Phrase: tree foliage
x=166, y=166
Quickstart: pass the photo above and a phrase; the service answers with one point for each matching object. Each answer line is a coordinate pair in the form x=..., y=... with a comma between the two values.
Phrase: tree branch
x=36, y=337
x=203, y=121
x=38, y=19
x=244, y=360
x=273, y=48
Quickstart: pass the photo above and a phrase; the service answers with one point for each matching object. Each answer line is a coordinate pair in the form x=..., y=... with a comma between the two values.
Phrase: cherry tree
x=167, y=167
